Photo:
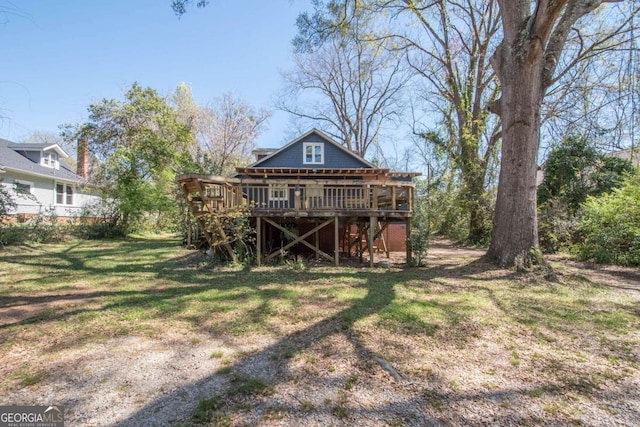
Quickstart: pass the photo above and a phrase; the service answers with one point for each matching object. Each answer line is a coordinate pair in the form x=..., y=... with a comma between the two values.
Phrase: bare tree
x=450, y=54
x=593, y=93
x=349, y=86
x=224, y=132
x=447, y=46
x=227, y=131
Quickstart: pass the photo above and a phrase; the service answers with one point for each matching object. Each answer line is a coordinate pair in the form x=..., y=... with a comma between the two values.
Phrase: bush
x=573, y=171
x=46, y=228
x=7, y=202
x=556, y=227
x=98, y=230
x=610, y=226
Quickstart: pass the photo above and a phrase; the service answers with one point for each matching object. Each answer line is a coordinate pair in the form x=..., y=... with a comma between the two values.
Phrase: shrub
x=45, y=228
x=610, y=226
x=556, y=227
x=573, y=171
x=421, y=229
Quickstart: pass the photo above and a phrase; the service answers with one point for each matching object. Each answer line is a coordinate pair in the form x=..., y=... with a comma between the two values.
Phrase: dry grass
x=143, y=330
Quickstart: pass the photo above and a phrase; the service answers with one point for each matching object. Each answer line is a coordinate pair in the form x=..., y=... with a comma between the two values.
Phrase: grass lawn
x=122, y=332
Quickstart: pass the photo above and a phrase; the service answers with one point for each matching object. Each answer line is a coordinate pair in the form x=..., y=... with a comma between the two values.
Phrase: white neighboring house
x=41, y=184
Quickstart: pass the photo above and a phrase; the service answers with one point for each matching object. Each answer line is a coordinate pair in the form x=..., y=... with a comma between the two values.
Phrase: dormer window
x=50, y=160
x=313, y=153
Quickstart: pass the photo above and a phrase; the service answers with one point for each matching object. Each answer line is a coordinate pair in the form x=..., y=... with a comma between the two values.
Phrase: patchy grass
x=300, y=341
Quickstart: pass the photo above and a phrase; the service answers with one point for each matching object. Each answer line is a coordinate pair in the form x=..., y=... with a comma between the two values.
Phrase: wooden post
x=374, y=201
x=372, y=235
x=258, y=241
x=344, y=237
x=360, y=237
x=317, y=241
x=407, y=237
x=394, y=205
x=337, y=241
x=410, y=201
x=188, y=223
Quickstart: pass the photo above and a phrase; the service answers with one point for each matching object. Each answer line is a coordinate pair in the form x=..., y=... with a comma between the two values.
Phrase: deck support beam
x=408, y=239
x=337, y=241
x=258, y=241
x=372, y=235
x=299, y=239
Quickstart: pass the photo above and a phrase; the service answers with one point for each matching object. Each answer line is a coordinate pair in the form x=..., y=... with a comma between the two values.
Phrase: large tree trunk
x=535, y=33
x=514, y=237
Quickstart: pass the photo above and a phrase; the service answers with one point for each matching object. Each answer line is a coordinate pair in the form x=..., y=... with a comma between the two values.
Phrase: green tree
x=450, y=55
x=141, y=145
x=610, y=225
x=574, y=170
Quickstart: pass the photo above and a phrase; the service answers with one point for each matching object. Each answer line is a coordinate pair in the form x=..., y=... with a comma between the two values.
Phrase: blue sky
x=61, y=56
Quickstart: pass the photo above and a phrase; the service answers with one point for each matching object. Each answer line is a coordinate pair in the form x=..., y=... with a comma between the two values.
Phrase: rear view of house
x=311, y=195
x=41, y=183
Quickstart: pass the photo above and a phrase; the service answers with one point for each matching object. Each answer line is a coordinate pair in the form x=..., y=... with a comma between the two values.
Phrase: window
x=64, y=194
x=313, y=153
x=278, y=192
x=23, y=187
x=50, y=160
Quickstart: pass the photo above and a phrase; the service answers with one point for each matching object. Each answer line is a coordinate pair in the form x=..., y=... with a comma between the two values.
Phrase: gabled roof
x=300, y=138
x=38, y=147
x=11, y=160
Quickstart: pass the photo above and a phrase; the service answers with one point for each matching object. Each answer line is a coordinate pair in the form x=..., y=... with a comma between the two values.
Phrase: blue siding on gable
x=292, y=156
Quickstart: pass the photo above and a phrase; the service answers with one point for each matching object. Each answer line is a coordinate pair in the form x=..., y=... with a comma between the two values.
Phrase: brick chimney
x=82, y=163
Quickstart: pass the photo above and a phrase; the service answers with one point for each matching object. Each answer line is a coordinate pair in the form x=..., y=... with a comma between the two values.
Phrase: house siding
x=44, y=196
x=292, y=156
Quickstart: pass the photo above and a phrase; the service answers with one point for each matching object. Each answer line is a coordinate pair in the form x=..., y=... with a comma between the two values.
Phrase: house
x=631, y=154
x=310, y=195
x=41, y=183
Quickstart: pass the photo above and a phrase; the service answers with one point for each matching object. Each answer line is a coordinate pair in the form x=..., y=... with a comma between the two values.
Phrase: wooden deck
x=274, y=200
x=299, y=198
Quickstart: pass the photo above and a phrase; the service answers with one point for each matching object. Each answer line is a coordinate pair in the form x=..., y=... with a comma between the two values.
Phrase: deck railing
x=284, y=195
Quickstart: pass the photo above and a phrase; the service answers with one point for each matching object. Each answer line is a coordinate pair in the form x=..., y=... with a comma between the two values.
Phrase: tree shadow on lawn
x=231, y=388
x=179, y=281
x=379, y=286
x=272, y=362
x=85, y=258
x=272, y=365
